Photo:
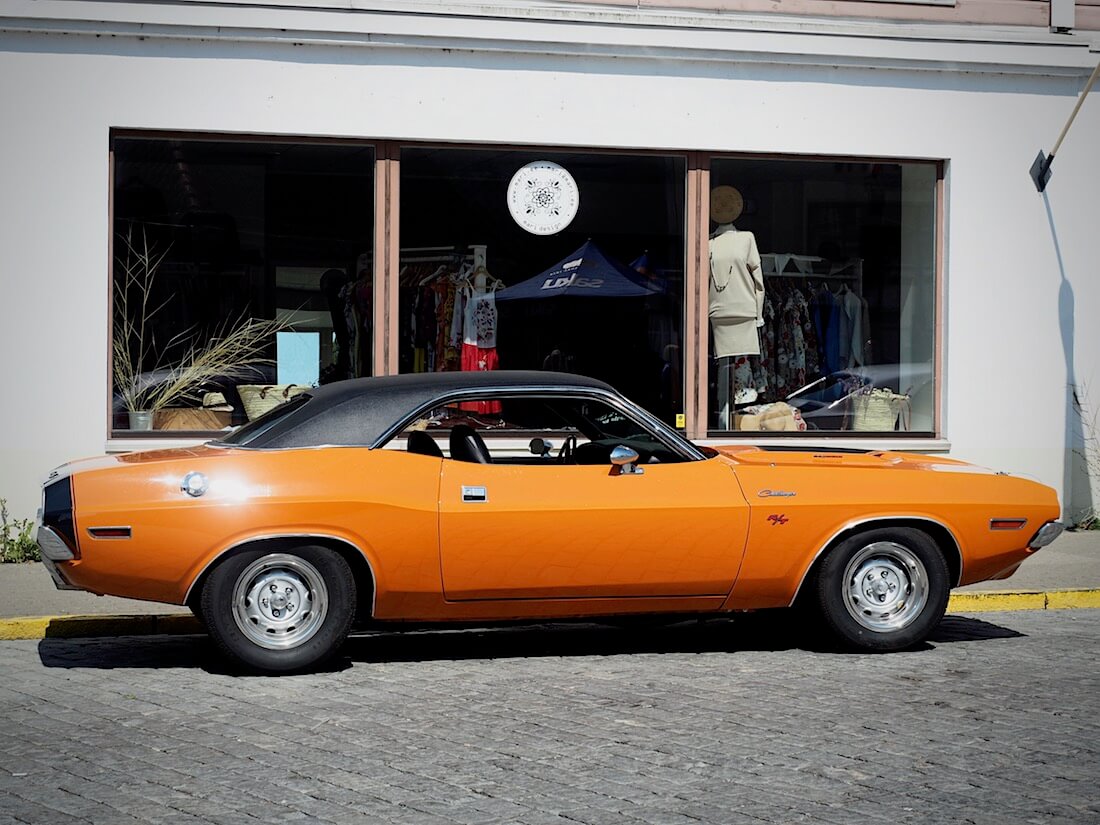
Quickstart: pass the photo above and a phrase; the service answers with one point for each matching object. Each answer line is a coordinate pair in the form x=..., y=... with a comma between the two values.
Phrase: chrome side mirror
x=625, y=461
x=540, y=447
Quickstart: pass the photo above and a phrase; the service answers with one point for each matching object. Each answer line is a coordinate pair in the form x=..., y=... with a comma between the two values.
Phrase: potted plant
x=145, y=379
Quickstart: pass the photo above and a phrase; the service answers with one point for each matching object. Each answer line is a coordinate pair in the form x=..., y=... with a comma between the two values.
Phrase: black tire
x=302, y=618
x=883, y=589
x=196, y=610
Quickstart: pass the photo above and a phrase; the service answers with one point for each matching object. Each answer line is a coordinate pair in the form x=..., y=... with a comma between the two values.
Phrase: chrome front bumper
x=1047, y=533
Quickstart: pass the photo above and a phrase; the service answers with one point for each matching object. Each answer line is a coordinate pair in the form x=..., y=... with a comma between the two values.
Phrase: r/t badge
x=778, y=518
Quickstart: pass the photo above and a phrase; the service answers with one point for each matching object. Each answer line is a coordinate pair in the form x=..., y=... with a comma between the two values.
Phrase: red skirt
x=478, y=359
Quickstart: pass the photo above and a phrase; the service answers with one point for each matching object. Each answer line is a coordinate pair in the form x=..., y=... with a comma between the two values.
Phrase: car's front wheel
x=280, y=611
x=884, y=589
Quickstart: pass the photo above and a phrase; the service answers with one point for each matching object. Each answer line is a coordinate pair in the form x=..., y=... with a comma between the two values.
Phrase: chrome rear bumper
x=1047, y=533
x=53, y=550
x=52, y=546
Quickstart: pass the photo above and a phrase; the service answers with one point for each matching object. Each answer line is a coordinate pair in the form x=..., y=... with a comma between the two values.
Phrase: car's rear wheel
x=196, y=610
x=280, y=611
x=883, y=589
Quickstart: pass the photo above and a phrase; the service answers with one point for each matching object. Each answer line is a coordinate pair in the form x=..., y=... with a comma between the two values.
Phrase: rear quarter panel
x=382, y=502
x=836, y=493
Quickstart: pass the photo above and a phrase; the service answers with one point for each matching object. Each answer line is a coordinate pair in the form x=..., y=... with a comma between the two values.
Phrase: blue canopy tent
x=580, y=336
x=587, y=273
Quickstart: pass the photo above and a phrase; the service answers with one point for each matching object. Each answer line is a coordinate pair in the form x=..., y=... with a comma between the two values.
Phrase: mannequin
x=479, y=341
x=736, y=302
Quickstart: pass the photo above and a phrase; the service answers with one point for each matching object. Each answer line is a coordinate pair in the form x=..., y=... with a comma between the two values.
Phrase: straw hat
x=726, y=204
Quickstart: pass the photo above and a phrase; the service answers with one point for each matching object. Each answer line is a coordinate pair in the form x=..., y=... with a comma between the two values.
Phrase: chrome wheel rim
x=280, y=601
x=885, y=587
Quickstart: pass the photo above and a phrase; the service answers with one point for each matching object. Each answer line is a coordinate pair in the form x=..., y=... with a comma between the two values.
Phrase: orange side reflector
x=1007, y=523
x=109, y=532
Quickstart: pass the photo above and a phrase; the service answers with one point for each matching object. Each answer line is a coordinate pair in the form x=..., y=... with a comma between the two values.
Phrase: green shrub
x=16, y=538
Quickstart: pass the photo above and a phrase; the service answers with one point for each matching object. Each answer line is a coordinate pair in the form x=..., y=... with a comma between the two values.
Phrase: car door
x=542, y=531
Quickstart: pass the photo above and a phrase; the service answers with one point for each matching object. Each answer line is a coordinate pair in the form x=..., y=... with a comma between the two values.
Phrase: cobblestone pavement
x=997, y=720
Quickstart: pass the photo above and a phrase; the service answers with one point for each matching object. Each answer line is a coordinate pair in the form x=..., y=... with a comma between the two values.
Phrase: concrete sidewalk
x=1071, y=563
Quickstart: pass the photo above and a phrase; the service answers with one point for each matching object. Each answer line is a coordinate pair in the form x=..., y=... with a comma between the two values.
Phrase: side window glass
x=530, y=431
x=431, y=433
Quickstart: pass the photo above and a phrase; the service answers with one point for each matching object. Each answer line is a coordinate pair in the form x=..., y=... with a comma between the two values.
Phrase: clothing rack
x=850, y=271
x=476, y=256
x=812, y=276
x=436, y=259
x=405, y=252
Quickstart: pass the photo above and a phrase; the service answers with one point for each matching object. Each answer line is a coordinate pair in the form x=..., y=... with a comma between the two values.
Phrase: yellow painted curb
x=69, y=627
x=980, y=602
x=970, y=602
x=28, y=628
x=1066, y=599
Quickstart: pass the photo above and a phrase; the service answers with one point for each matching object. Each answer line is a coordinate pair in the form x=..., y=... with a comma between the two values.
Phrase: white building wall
x=1023, y=283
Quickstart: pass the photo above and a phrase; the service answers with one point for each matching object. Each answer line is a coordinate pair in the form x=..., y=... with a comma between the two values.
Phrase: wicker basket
x=259, y=398
x=878, y=410
x=191, y=418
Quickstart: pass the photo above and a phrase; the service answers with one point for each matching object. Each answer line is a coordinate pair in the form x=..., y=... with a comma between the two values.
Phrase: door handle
x=474, y=494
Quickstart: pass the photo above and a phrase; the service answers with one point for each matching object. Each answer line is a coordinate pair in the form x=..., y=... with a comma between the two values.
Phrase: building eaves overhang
x=572, y=30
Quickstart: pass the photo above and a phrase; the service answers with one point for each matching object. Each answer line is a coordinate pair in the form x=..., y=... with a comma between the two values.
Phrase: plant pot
x=141, y=419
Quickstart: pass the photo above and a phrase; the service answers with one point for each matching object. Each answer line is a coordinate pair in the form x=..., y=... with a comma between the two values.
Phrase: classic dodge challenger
x=418, y=498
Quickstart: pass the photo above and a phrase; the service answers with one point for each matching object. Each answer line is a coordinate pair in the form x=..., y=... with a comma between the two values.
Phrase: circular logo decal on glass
x=543, y=197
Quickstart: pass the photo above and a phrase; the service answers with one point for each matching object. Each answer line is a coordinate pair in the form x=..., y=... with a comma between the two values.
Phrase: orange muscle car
x=413, y=499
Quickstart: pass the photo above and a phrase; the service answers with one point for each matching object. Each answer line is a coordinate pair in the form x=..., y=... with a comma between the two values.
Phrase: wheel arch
x=939, y=532
x=365, y=579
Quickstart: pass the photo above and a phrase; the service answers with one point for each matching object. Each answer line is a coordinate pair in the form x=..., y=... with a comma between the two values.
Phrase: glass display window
x=822, y=296
x=244, y=271
x=242, y=274
x=545, y=260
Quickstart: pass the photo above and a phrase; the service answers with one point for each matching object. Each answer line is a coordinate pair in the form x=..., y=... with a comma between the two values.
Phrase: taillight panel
x=57, y=512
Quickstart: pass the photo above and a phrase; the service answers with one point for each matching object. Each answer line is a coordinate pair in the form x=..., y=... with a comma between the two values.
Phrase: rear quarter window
x=245, y=435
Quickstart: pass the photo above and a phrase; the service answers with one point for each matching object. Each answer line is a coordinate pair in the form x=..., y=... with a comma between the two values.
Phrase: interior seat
x=466, y=445
x=422, y=443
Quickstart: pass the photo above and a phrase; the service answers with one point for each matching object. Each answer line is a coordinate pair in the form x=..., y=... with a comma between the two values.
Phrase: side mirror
x=540, y=447
x=625, y=461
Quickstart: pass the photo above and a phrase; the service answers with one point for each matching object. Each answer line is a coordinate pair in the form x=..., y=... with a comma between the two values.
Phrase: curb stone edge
x=70, y=627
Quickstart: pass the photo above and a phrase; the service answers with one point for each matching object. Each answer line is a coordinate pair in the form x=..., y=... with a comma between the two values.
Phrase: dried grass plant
x=142, y=375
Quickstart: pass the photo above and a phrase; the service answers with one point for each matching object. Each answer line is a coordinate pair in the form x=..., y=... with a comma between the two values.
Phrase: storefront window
x=822, y=296
x=600, y=294
x=242, y=274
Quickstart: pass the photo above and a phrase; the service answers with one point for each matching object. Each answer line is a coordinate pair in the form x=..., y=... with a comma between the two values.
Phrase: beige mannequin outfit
x=736, y=292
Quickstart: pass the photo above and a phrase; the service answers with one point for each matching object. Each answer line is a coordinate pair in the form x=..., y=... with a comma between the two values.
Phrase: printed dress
x=479, y=341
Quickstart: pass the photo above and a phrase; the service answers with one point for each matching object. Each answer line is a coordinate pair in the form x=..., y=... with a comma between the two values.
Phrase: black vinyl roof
x=360, y=411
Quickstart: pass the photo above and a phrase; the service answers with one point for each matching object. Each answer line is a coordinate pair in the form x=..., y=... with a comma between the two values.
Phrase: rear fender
x=339, y=542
